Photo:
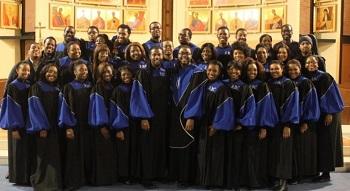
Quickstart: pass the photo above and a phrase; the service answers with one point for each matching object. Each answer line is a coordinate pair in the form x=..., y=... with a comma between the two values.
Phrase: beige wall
x=10, y=52
x=155, y=14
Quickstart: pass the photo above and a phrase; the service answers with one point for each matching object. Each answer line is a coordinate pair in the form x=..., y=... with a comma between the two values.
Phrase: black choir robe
x=155, y=83
x=286, y=98
x=13, y=116
x=129, y=105
x=78, y=151
x=244, y=109
x=329, y=138
x=183, y=144
x=103, y=149
x=43, y=107
x=66, y=70
x=305, y=145
x=217, y=109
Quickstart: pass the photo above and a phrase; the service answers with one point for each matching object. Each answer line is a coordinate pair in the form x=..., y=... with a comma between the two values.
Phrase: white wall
x=9, y=52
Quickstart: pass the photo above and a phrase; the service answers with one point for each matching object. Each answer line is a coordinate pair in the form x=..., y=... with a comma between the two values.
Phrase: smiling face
x=81, y=72
x=305, y=47
x=213, y=72
x=155, y=30
x=252, y=71
x=282, y=54
x=92, y=34
x=286, y=32
x=311, y=64
x=107, y=73
x=262, y=55
x=184, y=37
x=276, y=70
x=266, y=41
x=167, y=47
x=185, y=56
x=156, y=57
x=69, y=34
x=123, y=35
x=74, y=51
x=23, y=71
x=223, y=36
x=126, y=76
x=100, y=40
x=241, y=36
x=49, y=46
x=34, y=51
x=233, y=73
x=293, y=71
x=207, y=54
x=135, y=53
x=103, y=56
x=51, y=74
x=238, y=55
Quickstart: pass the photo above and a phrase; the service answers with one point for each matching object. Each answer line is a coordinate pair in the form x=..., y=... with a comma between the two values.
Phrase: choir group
x=99, y=111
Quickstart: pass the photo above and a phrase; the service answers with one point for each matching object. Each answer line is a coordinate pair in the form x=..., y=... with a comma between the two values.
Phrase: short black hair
x=260, y=45
x=124, y=26
x=234, y=64
x=45, y=69
x=242, y=46
x=263, y=36
x=211, y=47
x=217, y=63
x=223, y=27
x=50, y=38
x=94, y=27
x=189, y=31
x=154, y=22
x=240, y=29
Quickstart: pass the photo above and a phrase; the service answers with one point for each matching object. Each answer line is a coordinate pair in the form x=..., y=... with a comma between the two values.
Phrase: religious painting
x=219, y=3
x=100, y=2
x=237, y=18
x=98, y=18
x=113, y=19
x=83, y=16
x=135, y=3
x=61, y=15
x=11, y=15
x=199, y=20
x=273, y=18
x=199, y=3
x=136, y=19
x=325, y=18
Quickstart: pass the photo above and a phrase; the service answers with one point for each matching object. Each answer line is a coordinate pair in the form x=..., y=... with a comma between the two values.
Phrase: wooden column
x=167, y=20
x=306, y=12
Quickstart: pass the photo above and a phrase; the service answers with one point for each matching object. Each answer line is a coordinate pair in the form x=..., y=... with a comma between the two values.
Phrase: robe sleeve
x=194, y=107
x=139, y=105
x=266, y=113
x=66, y=117
x=290, y=108
x=247, y=107
x=11, y=115
x=330, y=99
x=37, y=116
x=98, y=115
x=309, y=107
x=118, y=118
x=224, y=117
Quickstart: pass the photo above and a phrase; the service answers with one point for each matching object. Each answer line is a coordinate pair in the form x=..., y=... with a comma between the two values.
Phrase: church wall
x=10, y=52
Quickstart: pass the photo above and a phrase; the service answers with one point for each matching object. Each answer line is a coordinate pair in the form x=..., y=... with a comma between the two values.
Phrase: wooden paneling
x=306, y=15
x=346, y=18
x=167, y=20
x=345, y=92
x=2, y=87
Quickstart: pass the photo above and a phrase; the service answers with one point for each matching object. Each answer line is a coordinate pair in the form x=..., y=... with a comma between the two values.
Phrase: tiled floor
x=340, y=182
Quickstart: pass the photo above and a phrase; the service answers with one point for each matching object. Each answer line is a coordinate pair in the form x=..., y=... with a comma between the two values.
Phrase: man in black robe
x=287, y=32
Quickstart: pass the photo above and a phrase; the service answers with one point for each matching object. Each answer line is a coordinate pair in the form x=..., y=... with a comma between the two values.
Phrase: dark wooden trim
x=312, y=16
x=24, y=36
x=167, y=19
x=326, y=40
x=2, y=86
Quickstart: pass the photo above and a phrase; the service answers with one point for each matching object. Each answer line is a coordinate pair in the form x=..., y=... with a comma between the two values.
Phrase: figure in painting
x=113, y=23
x=99, y=22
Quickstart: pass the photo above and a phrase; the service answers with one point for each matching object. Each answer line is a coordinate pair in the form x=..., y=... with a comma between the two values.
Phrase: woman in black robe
x=244, y=109
x=43, y=104
x=74, y=119
x=305, y=137
x=329, y=132
x=103, y=148
x=286, y=98
x=128, y=105
x=218, y=118
x=255, y=149
x=155, y=82
x=13, y=117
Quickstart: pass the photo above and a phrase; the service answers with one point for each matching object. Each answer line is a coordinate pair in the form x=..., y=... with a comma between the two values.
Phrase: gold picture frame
x=273, y=18
x=137, y=19
x=222, y=3
x=101, y=2
x=248, y=18
x=60, y=16
x=135, y=3
x=199, y=20
x=11, y=15
x=325, y=18
x=199, y=3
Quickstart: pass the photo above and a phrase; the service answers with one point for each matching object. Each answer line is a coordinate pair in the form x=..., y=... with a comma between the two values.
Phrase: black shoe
x=282, y=187
x=322, y=178
x=148, y=185
x=293, y=181
x=183, y=185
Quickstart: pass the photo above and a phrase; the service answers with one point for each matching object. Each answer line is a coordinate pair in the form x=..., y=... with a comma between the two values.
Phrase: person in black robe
x=218, y=118
x=244, y=109
x=184, y=37
x=255, y=151
x=207, y=53
x=305, y=137
x=155, y=28
x=153, y=137
x=121, y=40
x=103, y=148
x=266, y=40
x=223, y=50
x=13, y=117
x=305, y=46
x=135, y=57
x=66, y=70
x=73, y=119
x=128, y=105
x=168, y=58
x=69, y=36
x=240, y=51
x=183, y=132
x=287, y=32
x=262, y=57
x=329, y=132
x=90, y=45
x=241, y=36
x=286, y=98
x=43, y=104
